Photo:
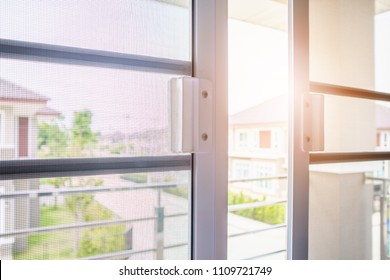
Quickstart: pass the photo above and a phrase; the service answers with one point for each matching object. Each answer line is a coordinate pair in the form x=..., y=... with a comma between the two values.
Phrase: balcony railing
x=120, y=247
x=382, y=192
x=265, y=228
x=161, y=217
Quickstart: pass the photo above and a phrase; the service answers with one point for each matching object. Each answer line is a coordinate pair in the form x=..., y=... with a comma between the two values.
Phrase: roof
x=12, y=92
x=272, y=111
x=46, y=111
x=276, y=111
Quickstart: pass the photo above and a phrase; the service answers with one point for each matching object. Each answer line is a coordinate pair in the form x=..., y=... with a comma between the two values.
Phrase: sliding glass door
x=338, y=149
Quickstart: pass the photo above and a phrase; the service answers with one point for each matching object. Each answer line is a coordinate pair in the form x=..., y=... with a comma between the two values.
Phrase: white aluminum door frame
x=209, y=211
x=298, y=159
x=210, y=180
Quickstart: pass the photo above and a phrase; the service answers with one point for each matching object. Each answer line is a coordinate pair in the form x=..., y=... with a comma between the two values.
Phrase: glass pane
x=355, y=125
x=122, y=216
x=258, y=115
x=158, y=28
x=382, y=45
x=349, y=43
x=52, y=110
x=349, y=211
x=338, y=54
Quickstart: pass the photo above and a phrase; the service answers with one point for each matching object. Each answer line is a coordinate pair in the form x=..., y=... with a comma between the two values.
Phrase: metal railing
x=159, y=217
x=252, y=205
x=84, y=190
x=384, y=209
x=47, y=229
x=40, y=232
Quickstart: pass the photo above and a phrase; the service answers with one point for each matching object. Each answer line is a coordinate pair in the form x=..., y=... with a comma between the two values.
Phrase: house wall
x=340, y=223
x=249, y=160
x=8, y=131
x=20, y=213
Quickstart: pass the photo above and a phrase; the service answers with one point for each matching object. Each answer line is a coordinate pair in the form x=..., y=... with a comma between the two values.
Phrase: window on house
x=241, y=169
x=23, y=137
x=265, y=139
x=378, y=139
x=243, y=139
x=264, y=170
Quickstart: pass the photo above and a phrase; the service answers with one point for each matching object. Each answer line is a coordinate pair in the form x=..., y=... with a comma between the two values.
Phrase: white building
x=20, y=112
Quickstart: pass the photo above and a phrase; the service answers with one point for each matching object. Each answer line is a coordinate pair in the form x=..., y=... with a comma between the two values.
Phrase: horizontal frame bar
x=322, y=158
x=26, y=231
x=348, y=91
x=256, y=179
x=46, y=168
x=22, y=232
x=83, y=190
x=383, y=179
x=79, y=56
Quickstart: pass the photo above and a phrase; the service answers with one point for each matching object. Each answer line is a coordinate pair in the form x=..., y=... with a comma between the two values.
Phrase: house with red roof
x=258, y=144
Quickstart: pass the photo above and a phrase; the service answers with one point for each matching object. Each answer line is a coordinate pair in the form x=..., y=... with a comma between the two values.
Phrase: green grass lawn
x=59, y=245
x=52, y=245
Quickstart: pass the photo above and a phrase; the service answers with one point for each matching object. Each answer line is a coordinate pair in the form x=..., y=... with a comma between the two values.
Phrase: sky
x=258, y=64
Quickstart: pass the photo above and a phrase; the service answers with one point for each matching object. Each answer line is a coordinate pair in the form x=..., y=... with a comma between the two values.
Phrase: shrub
x=272, y=214
x=135, y=177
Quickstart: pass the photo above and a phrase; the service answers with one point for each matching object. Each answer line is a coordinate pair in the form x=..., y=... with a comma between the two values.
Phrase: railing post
x=382, y=206
x=387, y=239
x=129, y=239
x=159, y=233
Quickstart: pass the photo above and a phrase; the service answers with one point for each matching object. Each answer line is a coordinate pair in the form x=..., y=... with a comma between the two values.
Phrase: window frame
x=209, y=170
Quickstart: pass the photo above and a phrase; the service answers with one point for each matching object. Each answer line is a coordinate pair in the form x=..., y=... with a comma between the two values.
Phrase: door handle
x=313, y=122
x=191, y=115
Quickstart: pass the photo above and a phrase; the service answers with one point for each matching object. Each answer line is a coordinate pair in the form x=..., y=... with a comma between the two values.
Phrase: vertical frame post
x=209, y=211
x=298, y=173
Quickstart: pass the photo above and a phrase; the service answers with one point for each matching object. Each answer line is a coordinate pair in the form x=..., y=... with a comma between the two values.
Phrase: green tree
x=57, y=141
x=83, y=138
x=101, y=240
x=52, y=140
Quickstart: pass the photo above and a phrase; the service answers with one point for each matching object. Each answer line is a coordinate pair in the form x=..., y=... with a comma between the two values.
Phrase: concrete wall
x=342, y=53
x=340, y=216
